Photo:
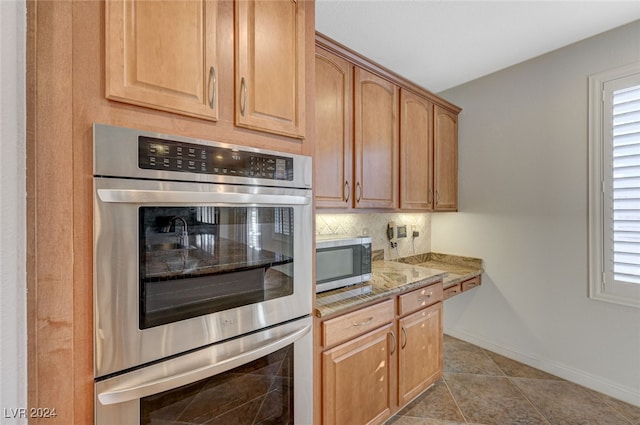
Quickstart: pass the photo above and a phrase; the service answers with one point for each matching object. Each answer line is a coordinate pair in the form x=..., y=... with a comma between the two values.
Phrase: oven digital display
x=170, y=155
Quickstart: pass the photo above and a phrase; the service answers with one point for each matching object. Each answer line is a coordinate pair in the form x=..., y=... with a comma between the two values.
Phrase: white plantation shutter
x=626, y=184
x=614, y=186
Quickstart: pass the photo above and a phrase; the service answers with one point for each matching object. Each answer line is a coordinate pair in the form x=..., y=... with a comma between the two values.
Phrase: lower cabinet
x=463, y=286
x=376, y=359
x=356, y=380
x=420, y=355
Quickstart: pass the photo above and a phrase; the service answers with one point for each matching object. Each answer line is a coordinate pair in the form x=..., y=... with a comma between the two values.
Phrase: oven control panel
x=170, y=155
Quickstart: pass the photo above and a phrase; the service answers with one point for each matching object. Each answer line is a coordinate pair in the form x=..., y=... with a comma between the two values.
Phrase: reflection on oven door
x=258, y=378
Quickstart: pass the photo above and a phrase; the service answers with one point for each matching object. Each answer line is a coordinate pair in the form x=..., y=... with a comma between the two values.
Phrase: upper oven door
x=181, y=265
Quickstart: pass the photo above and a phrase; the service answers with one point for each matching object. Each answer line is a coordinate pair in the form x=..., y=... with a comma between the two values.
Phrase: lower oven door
x=182, y=265
x=264, y=377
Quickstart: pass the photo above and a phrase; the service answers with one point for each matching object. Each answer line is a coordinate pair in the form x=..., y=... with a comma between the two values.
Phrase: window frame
x=601, y=289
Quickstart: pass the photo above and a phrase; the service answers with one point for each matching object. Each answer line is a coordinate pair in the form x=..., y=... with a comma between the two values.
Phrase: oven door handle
x=138, y=387
x=134, y=196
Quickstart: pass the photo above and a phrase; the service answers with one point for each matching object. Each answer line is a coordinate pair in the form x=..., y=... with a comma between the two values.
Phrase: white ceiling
x=439, y=44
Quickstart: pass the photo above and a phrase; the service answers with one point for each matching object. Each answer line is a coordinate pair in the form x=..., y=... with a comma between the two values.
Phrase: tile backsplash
x=375, y=225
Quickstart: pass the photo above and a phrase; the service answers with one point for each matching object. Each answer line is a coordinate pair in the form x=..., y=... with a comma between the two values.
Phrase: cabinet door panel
x=270, y=68
x=420, y=355
x=334, y=144
x=446, y=159
x=355, y=379
x=416, y=152
x=152, y=61
x=376, y=141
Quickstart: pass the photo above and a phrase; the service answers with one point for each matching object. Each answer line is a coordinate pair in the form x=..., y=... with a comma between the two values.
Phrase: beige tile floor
x=483, y=388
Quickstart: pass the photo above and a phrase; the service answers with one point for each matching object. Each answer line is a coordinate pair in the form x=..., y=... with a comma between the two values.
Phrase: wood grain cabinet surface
x=416, y=152
x=270, y=78
x=400, y=139
x=374, y=360
x=164, y=55
x=334, y=154
x=428, y=155
x=376, y=141
x=204, y=59
x=356, y=378
x=420, y=361
x=445, y=159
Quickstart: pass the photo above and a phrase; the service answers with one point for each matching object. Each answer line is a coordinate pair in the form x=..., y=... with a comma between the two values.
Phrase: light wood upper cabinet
x=240, y=63
x=404, y=138
x=334, y=137
x=416, y=152
x=445, y=139
x=163, y=55
x=356, y=378
x=421, y=352
x=376, y=141
x=269, y=71
x=428, y=155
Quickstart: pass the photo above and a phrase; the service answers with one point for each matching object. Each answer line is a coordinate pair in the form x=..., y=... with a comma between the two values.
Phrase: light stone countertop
x=390, y=278
x=458, y=268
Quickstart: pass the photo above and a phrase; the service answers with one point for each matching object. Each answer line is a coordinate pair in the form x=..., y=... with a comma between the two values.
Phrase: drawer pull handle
x=243, y=93
x=347, y=191
x=395, y=343
x=213, y=82
x=404, y=334
x=366, y=322
x=424, y=297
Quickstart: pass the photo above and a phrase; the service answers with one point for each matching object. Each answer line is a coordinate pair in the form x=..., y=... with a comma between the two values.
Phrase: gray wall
x=523, y=209
x=13, y=290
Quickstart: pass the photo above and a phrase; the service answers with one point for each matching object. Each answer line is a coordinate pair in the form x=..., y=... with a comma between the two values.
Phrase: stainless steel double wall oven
x=202, y=281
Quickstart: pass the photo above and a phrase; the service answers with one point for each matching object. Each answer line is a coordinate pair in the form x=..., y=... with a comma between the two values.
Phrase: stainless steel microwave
x=342, y=261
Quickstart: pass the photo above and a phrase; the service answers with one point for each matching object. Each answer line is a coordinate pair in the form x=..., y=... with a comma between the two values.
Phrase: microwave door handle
x=138, y=390
x=133, y=196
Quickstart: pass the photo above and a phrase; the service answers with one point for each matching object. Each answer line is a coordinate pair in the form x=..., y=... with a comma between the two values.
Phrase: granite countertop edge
x=391, y=278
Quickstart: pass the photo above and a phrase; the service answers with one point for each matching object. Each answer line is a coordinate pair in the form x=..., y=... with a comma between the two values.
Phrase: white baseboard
x=595, y=383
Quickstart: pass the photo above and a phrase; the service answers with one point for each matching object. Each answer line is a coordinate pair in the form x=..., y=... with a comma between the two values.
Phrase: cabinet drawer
x=452, y=290
x=471, y=283
x=350, y=325
x=420, y=298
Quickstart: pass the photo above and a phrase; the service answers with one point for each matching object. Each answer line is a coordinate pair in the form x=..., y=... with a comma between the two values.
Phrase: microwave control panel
x=171, y=155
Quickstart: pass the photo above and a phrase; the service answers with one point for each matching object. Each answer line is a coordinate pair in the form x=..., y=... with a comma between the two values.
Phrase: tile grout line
x=602, y=401
x=606, y=401
x=517, y=388
x=547, y=420
x=491, y=360
x=454, y=399
x=592, y=395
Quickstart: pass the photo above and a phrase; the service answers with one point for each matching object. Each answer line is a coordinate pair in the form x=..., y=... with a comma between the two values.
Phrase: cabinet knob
x=424, y=297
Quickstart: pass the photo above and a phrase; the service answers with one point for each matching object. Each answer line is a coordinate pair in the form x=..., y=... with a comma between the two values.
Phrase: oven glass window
x=260, y=392
x=199, y=260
